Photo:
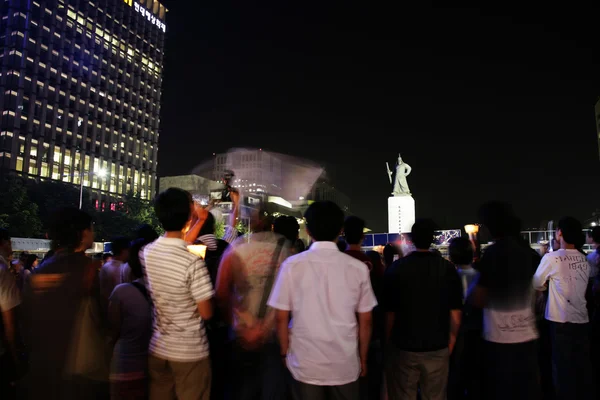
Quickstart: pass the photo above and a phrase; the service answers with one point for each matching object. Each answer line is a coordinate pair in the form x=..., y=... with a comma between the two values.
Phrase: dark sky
x=482, y=103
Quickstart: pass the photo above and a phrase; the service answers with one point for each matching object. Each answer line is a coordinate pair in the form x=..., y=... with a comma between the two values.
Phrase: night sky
x=482, y=103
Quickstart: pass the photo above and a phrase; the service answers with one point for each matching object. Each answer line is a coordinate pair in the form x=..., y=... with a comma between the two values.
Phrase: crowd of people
x=260, y=317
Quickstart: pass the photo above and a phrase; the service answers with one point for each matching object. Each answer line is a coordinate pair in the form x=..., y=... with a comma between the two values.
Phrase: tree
x=51, y=196
x=18, y=213
x=140, y=210
x=110, y=224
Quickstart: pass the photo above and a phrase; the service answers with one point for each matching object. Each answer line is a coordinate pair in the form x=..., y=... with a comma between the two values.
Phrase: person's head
x=341, y=243
x=72, y=230
x=208, y=228
x=287, y=226
x=498, y=217
x=422, y=232
x=134, y=263
x=174, y=209
x=324, y=221
x=594, y=235
x=146, y=232
x=299, y=246
x=261, y=221
x=106, y=257
x=570, y=233
x=228, y=175
x=461, y=251
x=120, y=248
x=389, y=252
x=354, y=228
x=31, y=262
x=5, y=244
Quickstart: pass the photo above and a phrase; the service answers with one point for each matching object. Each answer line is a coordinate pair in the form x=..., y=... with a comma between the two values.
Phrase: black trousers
x=571, y=361
x=511, y=371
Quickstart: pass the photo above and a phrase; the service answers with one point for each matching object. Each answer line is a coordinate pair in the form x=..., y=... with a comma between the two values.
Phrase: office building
x=80, y=88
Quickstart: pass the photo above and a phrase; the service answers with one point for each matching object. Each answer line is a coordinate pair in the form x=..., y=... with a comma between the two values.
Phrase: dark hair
x=119, y=244
x=31, y=258
x=66, y=228
x=422, y=232
x=134, y=260
x=389, y=251
x=342, y=245
x=146, y=232
x=595, y=234
x=324, y=220
x=498, y=217
x=208, y=227
x=572, y=231
x=287, y=226
x=299, y=246
x=4, y=235
x=106, y=256
x=461, y=251
x=173, y=209
x=354, y=229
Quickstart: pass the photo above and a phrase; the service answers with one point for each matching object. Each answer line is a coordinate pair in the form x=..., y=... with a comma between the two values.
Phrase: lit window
x=19, y=166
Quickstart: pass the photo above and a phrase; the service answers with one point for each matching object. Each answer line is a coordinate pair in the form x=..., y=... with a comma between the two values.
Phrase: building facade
x=256, y=171
x=80, y=88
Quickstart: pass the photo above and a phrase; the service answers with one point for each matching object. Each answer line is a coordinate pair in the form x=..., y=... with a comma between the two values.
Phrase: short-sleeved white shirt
x=176, y=280
x=567, y=272
x=324, y=289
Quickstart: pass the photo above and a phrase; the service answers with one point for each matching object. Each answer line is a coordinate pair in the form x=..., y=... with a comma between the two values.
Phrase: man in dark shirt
x=422, y=297
x=354, y=228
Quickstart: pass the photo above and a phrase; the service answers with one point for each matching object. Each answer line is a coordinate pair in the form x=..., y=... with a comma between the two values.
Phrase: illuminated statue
x=400, y=184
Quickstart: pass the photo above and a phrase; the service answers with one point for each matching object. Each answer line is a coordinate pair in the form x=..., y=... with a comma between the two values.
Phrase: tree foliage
x=18, y=213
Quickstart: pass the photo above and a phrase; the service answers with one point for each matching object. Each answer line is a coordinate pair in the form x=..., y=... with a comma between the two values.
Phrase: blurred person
x=354, y=234
x=181, y=291
x=544, y=249
x=217, y=327
x=110, y=273
x=130, y=317
x=342, y=245
x=299, y=246
x=422, y=298
x=9, y=301
x=464, y=378
x=594, y=257
x=288, y=227
x=244, y=282
x=106, y=257
x=375, y=358
x=328, y=296
x=504, y=292
x=566, y=273
x=144, y=235
x=66, y=322
x=391, y=253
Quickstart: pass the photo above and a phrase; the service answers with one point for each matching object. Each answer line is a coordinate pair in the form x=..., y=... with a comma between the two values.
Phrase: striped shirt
x=176, y=280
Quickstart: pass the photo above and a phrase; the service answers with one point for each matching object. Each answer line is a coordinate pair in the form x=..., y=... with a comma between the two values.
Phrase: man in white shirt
x=181, y=291
x=594, y=257
x=566, y=273
x=324, y=290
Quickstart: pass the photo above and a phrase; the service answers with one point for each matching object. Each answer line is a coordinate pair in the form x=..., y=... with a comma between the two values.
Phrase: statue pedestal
x=401, y=214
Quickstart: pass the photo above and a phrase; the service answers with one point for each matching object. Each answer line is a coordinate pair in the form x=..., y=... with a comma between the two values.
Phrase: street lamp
x=101, y=174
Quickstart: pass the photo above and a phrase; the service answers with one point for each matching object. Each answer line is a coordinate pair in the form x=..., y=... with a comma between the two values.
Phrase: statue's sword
x=389, y=171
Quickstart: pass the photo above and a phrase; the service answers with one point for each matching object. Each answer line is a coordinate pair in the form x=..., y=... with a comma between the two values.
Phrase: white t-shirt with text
x=567, y=273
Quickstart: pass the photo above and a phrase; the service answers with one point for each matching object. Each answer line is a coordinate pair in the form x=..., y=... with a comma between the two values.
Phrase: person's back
x=419, y=287
x=323, y=290
x=422, y=298
x=181, y=292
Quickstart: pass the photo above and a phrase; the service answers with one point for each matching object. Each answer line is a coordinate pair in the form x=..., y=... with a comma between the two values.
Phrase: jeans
x=571, y=361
